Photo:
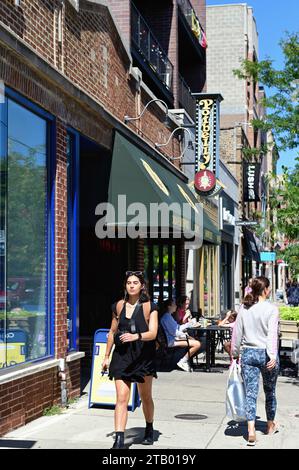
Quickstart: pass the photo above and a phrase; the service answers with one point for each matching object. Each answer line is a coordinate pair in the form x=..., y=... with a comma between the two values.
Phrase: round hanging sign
x=204, y=180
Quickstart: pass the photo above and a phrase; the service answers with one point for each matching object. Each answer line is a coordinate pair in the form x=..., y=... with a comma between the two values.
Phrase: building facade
x=71, y=80
x=233, y=38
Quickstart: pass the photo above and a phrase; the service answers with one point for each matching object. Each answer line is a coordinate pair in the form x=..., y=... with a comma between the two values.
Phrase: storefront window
x=209, y=281
x=160, y=269
x=213, y=293
x=24, y=328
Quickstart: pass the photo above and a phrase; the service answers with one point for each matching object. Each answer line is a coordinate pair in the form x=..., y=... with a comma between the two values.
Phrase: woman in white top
x=257, y=328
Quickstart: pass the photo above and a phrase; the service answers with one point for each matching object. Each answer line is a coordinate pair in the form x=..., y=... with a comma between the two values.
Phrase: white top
x=257, y=328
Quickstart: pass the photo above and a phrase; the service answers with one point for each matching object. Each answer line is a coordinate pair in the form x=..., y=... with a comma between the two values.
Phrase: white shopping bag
x=235, y=394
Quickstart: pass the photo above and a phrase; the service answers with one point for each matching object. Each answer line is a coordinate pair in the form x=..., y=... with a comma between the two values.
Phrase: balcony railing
x=148, y=46
x=193, y=21
x=185, y=98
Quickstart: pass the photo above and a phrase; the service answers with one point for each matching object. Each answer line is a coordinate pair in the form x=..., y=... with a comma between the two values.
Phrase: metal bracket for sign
x=245, y=222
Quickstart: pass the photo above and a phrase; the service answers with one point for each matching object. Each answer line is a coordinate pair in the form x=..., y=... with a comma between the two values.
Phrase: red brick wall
x=90, y=54
x=61, y=242
x=25, y=399
x=200, y=9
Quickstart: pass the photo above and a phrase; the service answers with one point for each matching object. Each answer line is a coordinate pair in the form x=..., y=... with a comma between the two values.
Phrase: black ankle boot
x=119, y=441
x=148, y=439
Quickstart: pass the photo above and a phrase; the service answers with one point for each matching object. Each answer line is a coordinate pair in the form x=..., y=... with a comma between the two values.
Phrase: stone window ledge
x=74, y=356
x=27, y=369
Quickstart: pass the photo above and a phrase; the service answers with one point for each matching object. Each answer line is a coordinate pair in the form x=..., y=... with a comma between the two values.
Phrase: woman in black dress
x=133, y=332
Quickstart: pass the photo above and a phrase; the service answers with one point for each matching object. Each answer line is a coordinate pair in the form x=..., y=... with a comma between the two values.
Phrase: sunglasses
x=134, y=273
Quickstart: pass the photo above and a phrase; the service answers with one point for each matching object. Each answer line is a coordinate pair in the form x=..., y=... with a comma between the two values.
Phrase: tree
x=283, y=105
x=282, y=118
x=285, y=202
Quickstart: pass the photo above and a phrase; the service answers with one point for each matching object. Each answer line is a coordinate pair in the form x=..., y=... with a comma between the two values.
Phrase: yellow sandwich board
x=102, y=389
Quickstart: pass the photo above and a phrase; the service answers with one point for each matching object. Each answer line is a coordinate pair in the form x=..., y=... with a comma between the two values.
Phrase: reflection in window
x=24, y=223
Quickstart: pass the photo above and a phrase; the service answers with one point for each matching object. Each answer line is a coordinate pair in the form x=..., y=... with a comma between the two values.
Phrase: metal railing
x=145, y=42
x=192, y=20
x=185, y=97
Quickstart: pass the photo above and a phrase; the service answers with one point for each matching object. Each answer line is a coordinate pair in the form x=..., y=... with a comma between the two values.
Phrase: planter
x=289, y=329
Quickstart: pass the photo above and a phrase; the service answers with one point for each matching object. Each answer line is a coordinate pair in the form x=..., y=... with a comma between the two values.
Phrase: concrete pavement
x=175, y=393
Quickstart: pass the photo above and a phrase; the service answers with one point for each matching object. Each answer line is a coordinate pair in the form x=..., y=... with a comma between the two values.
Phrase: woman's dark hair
x=144, y=296
x=233, y=314
x=258, y=285
x=181, y=300
x=167, y=303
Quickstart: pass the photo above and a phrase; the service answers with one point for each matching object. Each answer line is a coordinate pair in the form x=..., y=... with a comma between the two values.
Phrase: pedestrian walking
x=133, y=332
x=257, y=327
x=229, y=320
x=293, y=294
x=248, y=287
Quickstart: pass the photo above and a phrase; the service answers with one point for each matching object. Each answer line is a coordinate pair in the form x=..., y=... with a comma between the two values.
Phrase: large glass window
x=209, y=281
x=160, y=270
x=24, y=326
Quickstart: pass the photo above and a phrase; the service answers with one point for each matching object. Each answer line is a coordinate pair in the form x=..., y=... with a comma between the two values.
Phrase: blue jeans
x=253, y=362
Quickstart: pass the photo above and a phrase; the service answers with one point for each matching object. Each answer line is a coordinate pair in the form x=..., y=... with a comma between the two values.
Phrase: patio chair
x=166, y=353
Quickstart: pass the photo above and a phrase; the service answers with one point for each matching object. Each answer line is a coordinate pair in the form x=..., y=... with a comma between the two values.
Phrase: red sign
x=205, y=180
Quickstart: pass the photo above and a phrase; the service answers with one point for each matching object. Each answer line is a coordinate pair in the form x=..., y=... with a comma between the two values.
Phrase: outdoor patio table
x=210, y=341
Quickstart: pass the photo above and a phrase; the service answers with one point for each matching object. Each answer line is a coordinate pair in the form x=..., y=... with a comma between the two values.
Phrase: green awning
x=210, y=231
x=137, y=178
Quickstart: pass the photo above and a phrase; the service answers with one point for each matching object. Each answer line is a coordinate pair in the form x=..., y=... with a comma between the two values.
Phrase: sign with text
x=13, y=347
x=102, y=389
x=268, y=256
x=207, y=133
x=251, y=181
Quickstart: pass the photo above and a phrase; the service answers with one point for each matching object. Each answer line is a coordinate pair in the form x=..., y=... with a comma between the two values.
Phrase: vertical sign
x=207, y=132
x=251, y=180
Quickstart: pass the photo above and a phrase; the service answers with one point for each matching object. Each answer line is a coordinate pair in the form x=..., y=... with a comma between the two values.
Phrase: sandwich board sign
x=102, y=389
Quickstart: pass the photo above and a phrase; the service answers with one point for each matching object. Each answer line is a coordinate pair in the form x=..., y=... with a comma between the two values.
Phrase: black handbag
x=132, y=329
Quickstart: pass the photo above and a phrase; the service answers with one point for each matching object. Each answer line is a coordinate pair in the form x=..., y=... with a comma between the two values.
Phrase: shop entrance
x=95, y=266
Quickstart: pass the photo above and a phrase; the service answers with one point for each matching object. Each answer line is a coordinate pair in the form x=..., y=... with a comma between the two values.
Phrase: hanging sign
x=207, y=141
x=204, y=180
x=251, y=180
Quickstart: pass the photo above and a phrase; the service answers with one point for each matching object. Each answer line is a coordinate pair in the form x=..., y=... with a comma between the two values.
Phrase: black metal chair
x=166, y=353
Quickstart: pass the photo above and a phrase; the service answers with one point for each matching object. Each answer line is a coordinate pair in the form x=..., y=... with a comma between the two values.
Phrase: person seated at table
x=175, y=335
x=229, y=320
x=183, y=313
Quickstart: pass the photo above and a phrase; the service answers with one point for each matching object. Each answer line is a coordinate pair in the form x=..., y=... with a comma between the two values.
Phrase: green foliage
x=283, y=106
x=254, y=153
x=291, y=256
x=289, y=313
x=286, y=201
x=52, y=410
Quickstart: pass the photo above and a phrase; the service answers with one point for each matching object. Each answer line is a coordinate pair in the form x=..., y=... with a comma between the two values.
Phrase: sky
x=273, y=19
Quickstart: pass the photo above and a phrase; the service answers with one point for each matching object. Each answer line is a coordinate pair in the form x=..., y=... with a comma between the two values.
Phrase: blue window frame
x=27, y=164
x=73, y=149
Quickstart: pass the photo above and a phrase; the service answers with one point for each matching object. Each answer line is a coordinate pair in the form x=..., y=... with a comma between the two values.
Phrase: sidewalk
x=176, y=392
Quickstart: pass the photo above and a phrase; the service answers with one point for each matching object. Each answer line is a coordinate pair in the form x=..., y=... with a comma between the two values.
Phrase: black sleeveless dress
x=133, y=361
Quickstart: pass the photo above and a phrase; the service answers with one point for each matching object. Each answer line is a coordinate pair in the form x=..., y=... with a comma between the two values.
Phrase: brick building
x=69, y=78
x=233, y=37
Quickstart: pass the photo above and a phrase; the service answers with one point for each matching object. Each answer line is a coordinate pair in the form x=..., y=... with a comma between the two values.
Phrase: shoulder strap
x=119, y=307
x=147, y=311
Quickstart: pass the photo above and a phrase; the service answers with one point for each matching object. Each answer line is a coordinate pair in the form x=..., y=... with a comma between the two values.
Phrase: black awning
x=250, y=248
x=139, y=178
